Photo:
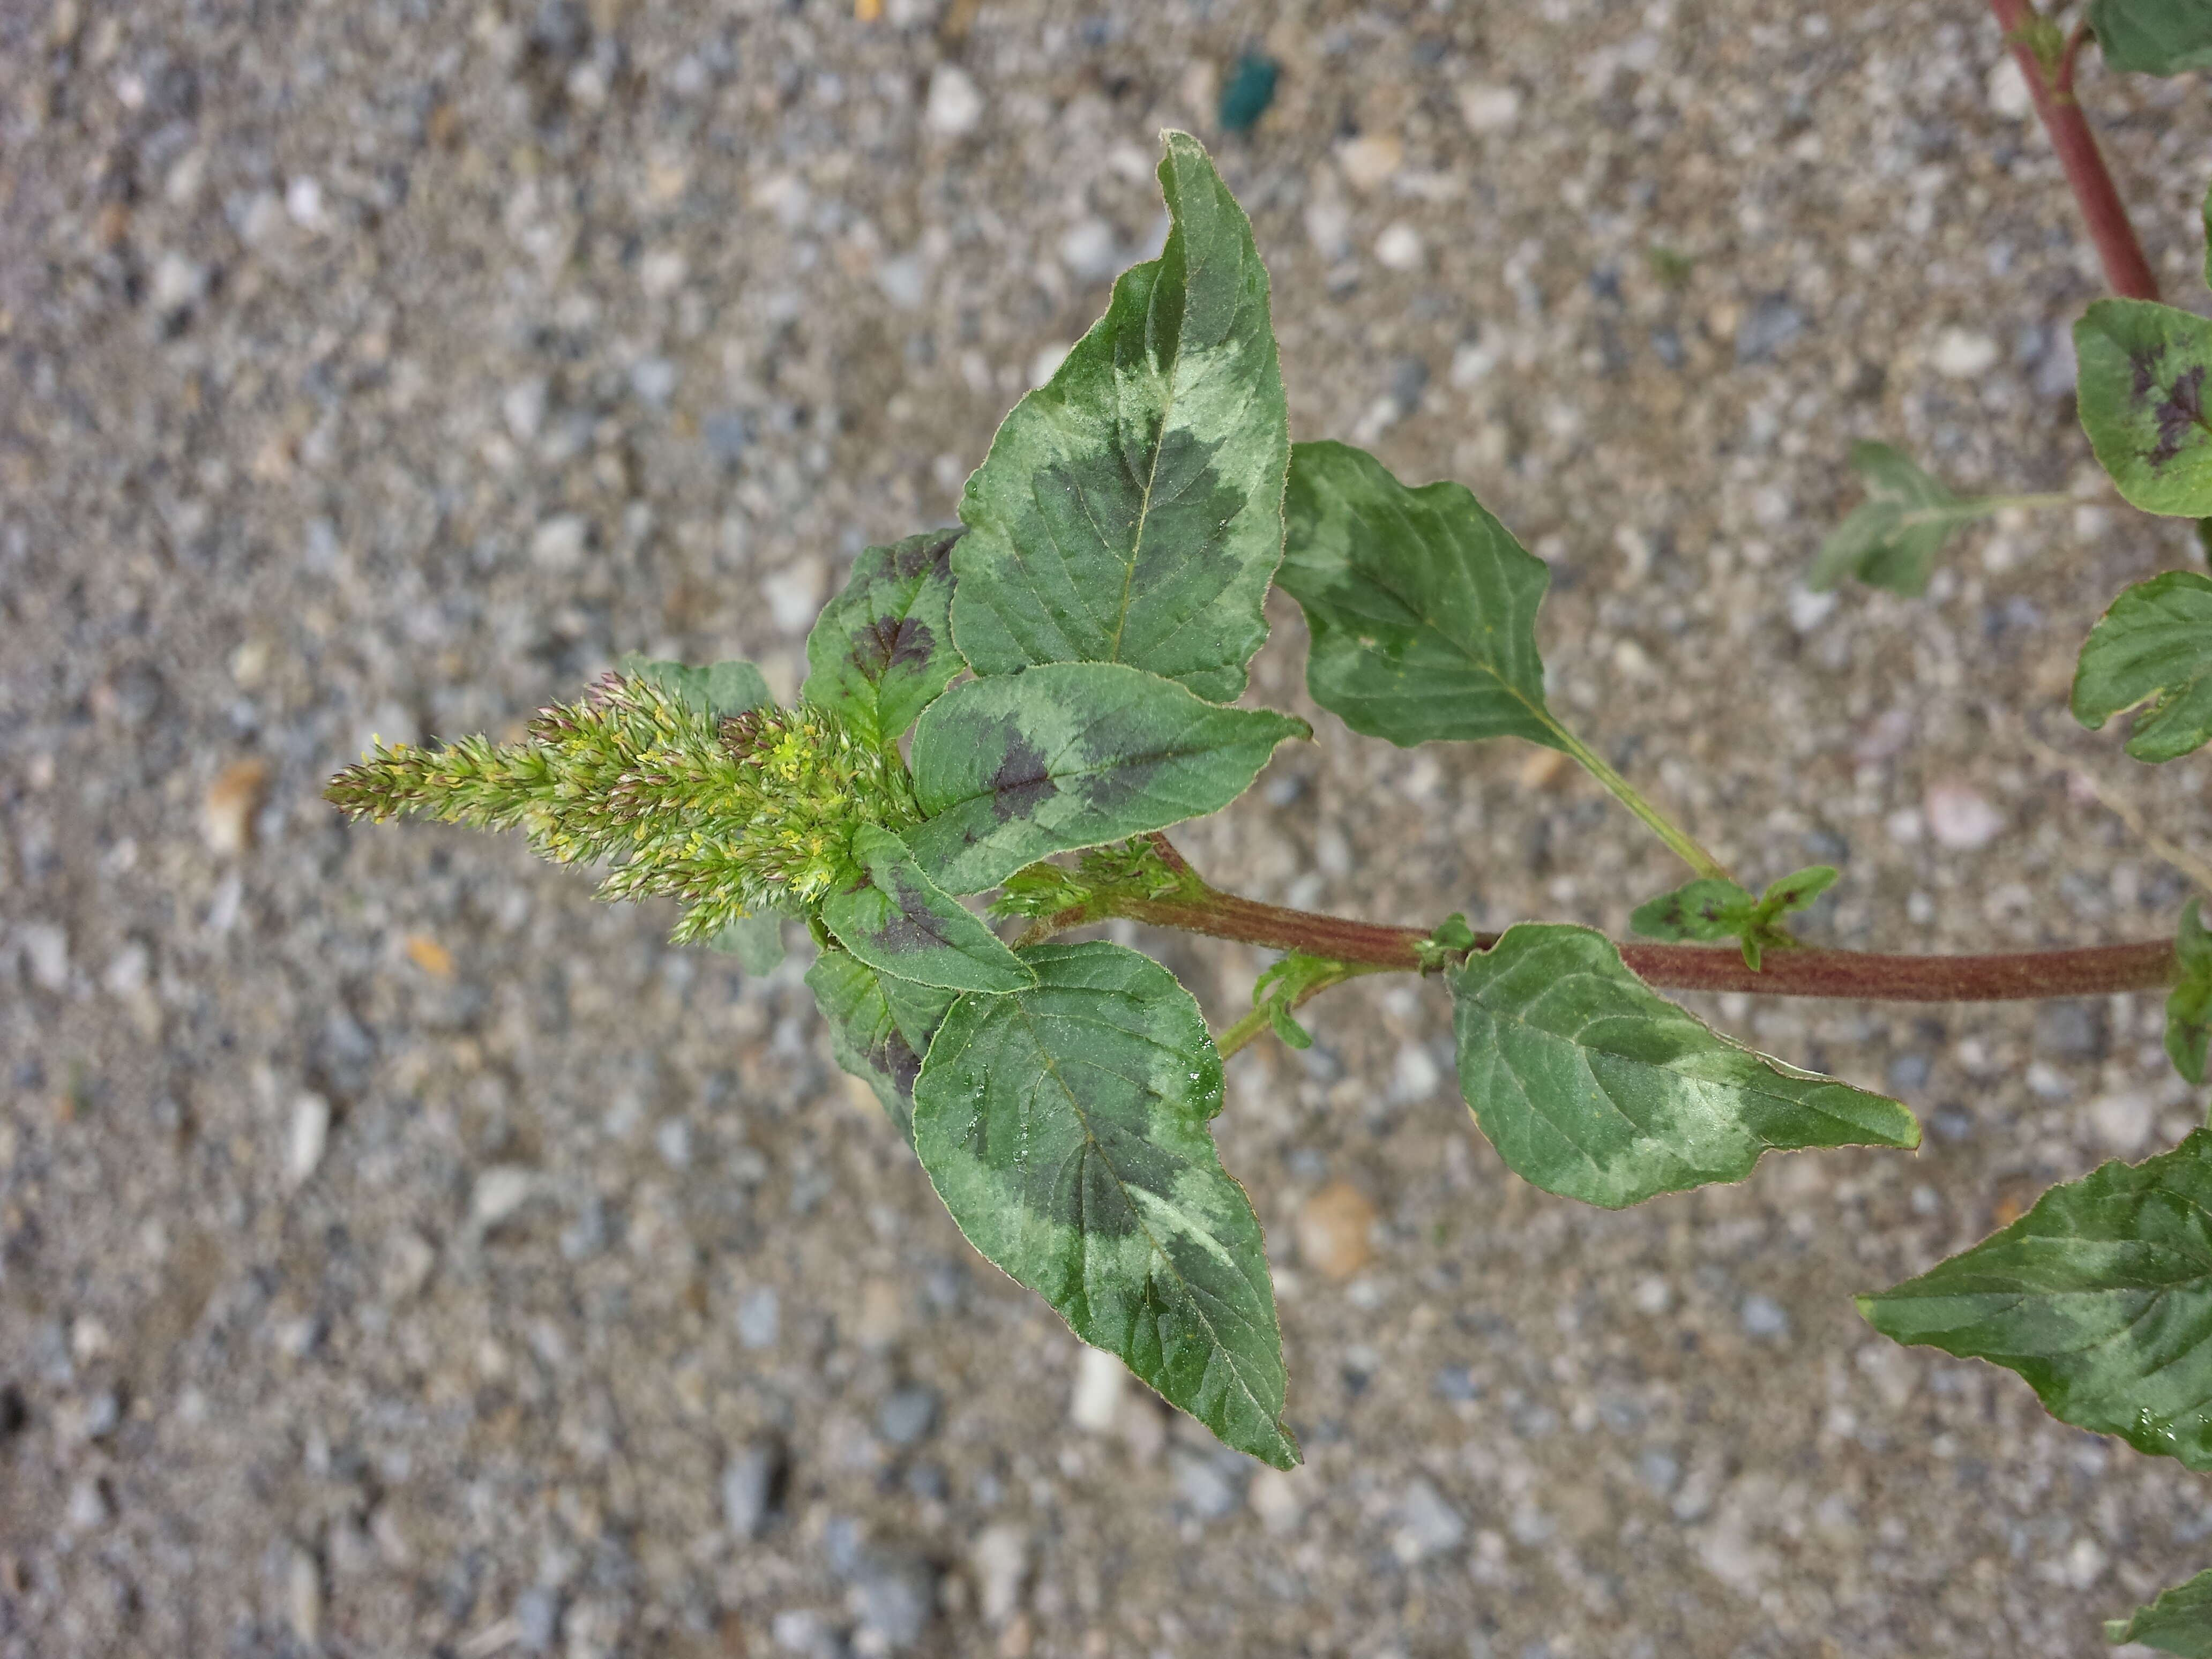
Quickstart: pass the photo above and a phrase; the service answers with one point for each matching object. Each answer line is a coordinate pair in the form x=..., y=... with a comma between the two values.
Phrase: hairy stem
x=2051, y=84
x=2098, y=970
x=1679, y=839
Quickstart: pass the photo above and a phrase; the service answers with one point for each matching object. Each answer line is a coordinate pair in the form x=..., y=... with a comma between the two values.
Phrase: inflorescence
x=731, y=816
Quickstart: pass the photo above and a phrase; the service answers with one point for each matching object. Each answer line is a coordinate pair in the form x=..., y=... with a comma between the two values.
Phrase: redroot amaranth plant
x=1062, y=672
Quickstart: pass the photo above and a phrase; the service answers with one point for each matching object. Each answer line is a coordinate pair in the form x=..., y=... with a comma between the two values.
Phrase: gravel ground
x=400, y=1253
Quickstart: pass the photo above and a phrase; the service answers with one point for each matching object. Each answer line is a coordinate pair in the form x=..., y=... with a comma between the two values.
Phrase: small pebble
x=87, y=1508
x=1399, y=247
x=1277, y=1497
x=310, y=1134
x=1764, y=1316
x=1101, y=1380
x=1334, y=1228
x=1959, y=818
x=1487, y=108
x=499, y=1192
x=536, y=1619
x=1250, y=89
x=1371, y=160
x=1427, y=1525
x=1964, y=353
x=955, y=105
x=557, y=545
x=303, y=1596
x=909, y=1415
x=759, y=1317
x=228, y=809
x=1207, y=1490
x=2122, y=1122
x=2007, y=88
x=752, y=1483
x=1000, y=1559
x=893, y=1598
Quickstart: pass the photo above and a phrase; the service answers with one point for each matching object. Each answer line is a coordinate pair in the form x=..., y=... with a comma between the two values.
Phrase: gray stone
x=752, y=1488
x=1427, y=1525
x=893, y=1598
x=759, y=1317
x=910, y=1416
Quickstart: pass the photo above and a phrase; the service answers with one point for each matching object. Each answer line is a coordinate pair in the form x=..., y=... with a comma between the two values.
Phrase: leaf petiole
x=1685, y=846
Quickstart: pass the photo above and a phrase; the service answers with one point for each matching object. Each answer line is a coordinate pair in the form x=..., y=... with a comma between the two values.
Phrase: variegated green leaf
x=898, y=922
x=1421, y=606
x=2101, y=1297
x=2140, y=388
x=1012, y=769
x=2153, y=37
x=1593, y=1087
x=876, y=1040
x=2153, y=645
x=882, y=650
x=1065, y=1128
x=1130, y=508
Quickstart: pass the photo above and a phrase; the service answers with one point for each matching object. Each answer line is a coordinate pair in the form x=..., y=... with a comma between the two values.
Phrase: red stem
x=2098, y=970
x=2126, y=270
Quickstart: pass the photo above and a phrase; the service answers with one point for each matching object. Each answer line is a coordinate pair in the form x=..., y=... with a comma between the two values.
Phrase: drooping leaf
x=897, y=921
x=2153, y=37
x=755, y=940
x=1065, y=1128
x=2141, y=391
x=1592, y=1086
x=2154, y=645
x=882, y=650
x=1130, y=509
x=2101, y=1297
x=2179, y=1621
x=877, y=1042
x=1712, y=908
x=2189, y=1007
x=1422, y=607
x=1890, y=540
x=1012, y=769
x=721, y=689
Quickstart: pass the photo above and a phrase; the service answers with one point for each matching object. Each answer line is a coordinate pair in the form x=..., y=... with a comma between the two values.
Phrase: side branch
x=2051, y=84
x=2098, y=970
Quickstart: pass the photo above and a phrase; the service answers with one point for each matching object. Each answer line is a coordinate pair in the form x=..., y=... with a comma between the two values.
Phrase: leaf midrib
x=1160, y=1251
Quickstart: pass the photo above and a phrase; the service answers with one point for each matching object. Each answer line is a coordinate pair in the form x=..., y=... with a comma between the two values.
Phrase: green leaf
x=755, y=940
x=1705, y=910
x=881, y=650
x=2189, y=1007
x=2153, y=645
x=2140, y=390
x=877, y=1042
x=1890, y=540
x=2101, y=1297
x=1065, y=1128
x=1131, y=509
x=895, y=919
x=2179, y=1622
x=1009, y=770
x=2153, y=37
x=1592, y=1086
x=723, y=689
x=1288, y=982
x=1422, y=607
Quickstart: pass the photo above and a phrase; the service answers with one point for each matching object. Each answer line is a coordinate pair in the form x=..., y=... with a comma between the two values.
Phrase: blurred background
x=402, y=1254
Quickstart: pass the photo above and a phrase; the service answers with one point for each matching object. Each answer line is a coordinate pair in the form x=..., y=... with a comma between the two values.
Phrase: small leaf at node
x=721, y=690
x=881, y=650
x=1421, y=606
x=1012, y=769
x=1890, y=540
x=2179, y=1621
x=1705, y=910
x=2189, y=1007
x=875, y=1040
x=896, y=920
x=1130, y=508
x=1593, y=1087
x=2153, y=37
x=2154, y=645
x=1064, y=1127
x=2101, y=1297
x=2141, y=391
